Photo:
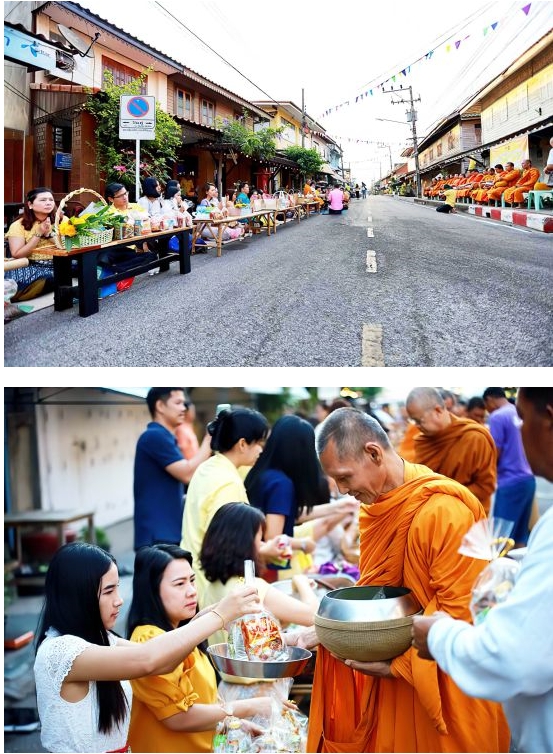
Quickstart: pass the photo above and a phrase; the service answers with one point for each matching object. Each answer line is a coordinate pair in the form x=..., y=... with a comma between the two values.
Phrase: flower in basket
x=86, y=223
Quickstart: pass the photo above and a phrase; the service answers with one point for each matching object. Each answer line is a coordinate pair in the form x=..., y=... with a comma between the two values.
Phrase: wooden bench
x=216, y=228
x=86, y=257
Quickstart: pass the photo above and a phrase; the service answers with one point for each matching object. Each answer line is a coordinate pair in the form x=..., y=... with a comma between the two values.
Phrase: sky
x=273, y=52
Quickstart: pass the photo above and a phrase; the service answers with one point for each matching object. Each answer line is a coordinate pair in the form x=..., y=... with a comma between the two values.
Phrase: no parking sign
x=137, y=117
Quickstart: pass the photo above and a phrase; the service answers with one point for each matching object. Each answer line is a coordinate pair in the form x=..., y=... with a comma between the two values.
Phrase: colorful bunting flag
x=427, y=56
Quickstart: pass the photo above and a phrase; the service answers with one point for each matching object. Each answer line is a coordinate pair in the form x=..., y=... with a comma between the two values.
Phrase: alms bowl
x=296, y=663
x=368, y=603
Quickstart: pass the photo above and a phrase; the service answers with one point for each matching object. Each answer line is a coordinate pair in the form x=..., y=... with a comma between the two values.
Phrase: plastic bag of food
x=489, y=540
x=256, y=636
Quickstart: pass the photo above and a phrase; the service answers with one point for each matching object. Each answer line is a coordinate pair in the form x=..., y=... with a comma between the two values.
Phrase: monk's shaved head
x=350, y=429
x=425, y=398
x=427, y=409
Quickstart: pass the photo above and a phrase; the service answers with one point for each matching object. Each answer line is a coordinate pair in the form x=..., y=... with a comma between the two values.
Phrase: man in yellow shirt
x=450, y=195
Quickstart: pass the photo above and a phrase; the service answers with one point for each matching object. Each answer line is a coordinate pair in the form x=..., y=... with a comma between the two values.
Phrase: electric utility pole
x=411, y=117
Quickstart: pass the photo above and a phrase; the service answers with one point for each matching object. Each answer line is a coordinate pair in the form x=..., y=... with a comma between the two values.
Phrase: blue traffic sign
x=138, y=107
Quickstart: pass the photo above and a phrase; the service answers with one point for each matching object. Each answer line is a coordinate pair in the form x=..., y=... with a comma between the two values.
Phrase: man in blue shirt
x=161, y=471
x=516, y=485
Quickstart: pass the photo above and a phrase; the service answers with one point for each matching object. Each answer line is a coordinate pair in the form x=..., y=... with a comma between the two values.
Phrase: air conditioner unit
x=64, y=61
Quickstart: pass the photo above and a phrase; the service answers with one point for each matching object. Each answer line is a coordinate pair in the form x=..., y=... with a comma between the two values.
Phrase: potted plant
x=102, y=539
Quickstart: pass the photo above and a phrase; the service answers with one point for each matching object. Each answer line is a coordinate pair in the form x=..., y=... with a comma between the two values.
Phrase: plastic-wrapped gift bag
x=256, y=636
x=489, y=539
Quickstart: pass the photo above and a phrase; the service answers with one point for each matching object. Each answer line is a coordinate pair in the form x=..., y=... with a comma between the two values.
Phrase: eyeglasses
x=120, y=196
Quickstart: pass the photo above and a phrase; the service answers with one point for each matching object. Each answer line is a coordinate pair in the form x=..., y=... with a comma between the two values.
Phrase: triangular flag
x=429, y=54
x=485, y=31
x=393, y=78
x=448, y=48
x=457, y=44
x=526, y=9
x=494, y=25
x=370, y=92
x=404, y=72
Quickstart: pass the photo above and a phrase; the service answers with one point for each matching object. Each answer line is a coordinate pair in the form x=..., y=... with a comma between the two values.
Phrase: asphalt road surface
x=388, y=283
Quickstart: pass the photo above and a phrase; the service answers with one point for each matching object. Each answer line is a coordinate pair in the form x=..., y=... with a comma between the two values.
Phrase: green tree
x=260, y=144
x=115, y=157
x=309, y=160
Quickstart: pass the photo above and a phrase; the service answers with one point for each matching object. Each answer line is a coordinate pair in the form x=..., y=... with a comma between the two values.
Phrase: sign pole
x=137, y=171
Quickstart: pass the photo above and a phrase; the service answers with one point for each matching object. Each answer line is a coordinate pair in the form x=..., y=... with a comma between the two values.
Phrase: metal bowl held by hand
x=295, y=665
x=366, y=623
x=368, y=603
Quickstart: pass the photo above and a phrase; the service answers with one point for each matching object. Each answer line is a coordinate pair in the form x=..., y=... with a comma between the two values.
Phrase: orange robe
x=499, y=182
x=406, y=448
x=409, y=537
x=510, y=178
x=525, y=183
x=464, y=451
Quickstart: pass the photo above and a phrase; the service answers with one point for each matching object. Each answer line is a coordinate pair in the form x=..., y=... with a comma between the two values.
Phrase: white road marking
x=371, y=261
x=370, y=233
x=371, y=346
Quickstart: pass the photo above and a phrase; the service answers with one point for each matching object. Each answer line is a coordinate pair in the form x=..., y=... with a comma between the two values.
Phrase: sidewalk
x=540, y=220
x=22, y=615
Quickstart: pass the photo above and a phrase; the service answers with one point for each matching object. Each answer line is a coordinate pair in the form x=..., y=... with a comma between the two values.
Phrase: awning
x=327, y=169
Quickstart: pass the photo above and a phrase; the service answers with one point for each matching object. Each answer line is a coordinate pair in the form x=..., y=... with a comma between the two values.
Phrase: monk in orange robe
x=494, y=174
x=406, y=447
x=530, y=176
x=460, y=449
x=509, y=179
x=411, y=525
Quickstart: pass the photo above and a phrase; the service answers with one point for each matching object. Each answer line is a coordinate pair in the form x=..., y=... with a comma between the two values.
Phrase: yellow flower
x=79, y=220
x=67, y=229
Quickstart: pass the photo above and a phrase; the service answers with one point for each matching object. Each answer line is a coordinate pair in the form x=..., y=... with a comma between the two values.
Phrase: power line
x=167, y=12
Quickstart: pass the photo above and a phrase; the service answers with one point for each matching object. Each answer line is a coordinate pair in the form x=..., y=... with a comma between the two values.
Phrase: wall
x=516, y=104
x=86, y=456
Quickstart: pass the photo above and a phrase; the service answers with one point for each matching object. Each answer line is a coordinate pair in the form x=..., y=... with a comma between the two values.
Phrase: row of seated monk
x=507, y=185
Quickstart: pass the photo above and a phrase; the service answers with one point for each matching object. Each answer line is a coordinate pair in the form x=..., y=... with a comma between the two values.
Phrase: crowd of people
x=410, y=482
x=497, y=184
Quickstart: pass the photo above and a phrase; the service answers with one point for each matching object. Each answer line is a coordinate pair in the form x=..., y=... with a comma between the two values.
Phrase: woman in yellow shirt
x=30, y=237
x=177, y=711
x=237, y=437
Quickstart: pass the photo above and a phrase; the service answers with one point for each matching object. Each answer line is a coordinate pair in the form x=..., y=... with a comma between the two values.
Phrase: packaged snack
x=256, y=636
x=489, y=540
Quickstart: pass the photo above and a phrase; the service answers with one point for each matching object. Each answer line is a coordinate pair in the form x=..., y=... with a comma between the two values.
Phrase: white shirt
x=152, y=206
x=509, y=657
x=71, y=726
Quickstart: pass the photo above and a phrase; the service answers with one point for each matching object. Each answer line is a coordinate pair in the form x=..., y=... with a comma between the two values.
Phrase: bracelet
x=38, y=235
x=220, y=617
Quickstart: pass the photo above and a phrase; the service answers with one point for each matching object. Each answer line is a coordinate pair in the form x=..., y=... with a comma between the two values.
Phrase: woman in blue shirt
x=287, y=480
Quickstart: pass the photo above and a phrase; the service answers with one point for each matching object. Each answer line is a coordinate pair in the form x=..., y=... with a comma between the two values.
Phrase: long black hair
x=71, y=606
x=234, y=424
x=28, y=218
x=229, y=540
x=149, y=566
x=291, y=449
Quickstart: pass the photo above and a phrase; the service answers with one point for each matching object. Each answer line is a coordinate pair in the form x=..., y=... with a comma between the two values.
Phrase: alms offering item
x=489, y=539
x=256, y=636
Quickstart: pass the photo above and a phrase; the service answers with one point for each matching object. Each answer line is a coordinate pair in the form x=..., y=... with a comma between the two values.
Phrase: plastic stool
x=537, y=196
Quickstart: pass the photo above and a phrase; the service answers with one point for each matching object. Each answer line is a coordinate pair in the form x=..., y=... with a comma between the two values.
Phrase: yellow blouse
x=158, y=697
x=16, y=230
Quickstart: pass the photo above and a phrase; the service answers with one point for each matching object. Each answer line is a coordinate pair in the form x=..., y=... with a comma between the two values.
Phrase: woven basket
x=81, y=239
x=370, y=641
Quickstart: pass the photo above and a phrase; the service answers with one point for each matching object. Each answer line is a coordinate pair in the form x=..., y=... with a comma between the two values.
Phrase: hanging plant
x=115, y=159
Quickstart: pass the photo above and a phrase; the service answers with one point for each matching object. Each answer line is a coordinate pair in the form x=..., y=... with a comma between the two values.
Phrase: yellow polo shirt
x=214, y=483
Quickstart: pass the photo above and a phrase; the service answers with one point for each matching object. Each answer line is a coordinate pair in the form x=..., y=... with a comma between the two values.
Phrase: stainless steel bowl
x=368, y=603
x=298, y=659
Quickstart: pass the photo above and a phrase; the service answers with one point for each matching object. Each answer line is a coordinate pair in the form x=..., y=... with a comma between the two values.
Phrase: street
x=388, y=283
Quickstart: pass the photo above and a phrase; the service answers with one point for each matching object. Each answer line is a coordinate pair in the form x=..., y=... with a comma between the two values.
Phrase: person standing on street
x=516, y=485
x=507, y=657
x=411, y=524
x=160, y=471
x=456, y=447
